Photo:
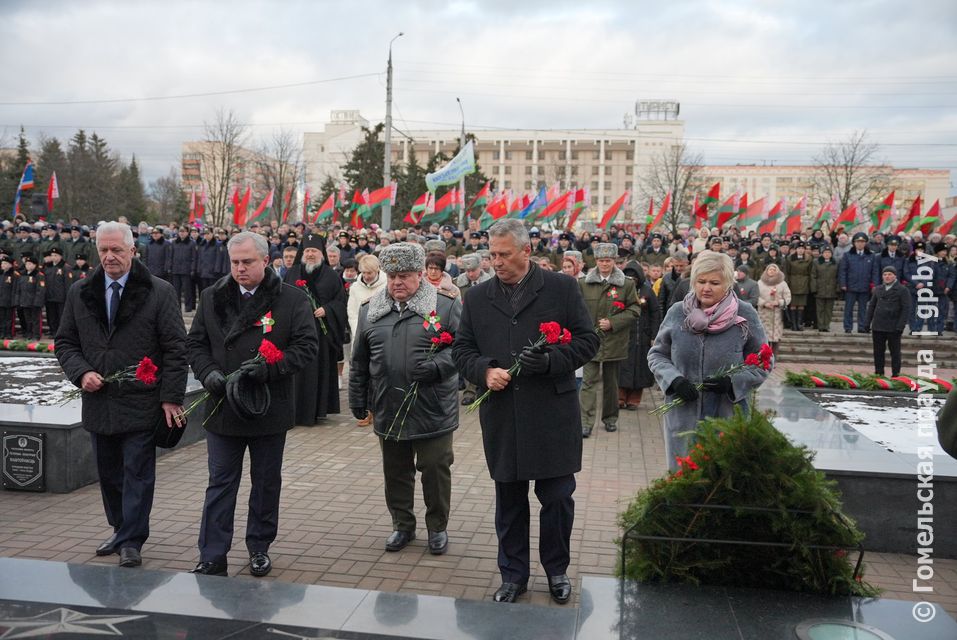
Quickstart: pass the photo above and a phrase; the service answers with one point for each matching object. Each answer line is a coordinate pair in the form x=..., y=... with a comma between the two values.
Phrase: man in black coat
x=887, y=315
x=112, y=320
x=531, y=424
x=183, y=254
x=317, y=385
x=58, y=278
x=234, y=317
x=157, y=255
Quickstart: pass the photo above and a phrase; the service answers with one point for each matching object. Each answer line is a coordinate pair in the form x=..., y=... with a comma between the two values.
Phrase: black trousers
x=555, y=526
x=225, y=457
x=54, y=312
x=126, y=465
x=185, y=292
x=7, y=322
x=32, y=319
x=891, y=340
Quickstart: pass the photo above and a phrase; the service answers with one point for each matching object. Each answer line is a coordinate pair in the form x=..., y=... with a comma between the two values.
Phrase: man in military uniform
x=452, y=246
x=58, y=279
x=395, y=338
x=81, y=267
x=613, y=305
x=539, y=250
x=475, y=243
x=8, y=287
x=655, y=253
x=31, y=291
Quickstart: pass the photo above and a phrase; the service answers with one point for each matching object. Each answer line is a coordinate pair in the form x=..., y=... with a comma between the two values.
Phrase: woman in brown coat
x=774, y=296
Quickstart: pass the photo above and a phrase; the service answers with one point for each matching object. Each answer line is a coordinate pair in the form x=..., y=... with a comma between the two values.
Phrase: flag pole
x=462, y=179
x=387, y=161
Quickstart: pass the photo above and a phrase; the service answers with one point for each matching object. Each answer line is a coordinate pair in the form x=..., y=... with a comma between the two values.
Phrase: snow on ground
x=37, y=381
x=889, y=421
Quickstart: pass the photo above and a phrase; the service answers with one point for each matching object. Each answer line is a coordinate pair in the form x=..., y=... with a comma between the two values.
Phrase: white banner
x=461, y=165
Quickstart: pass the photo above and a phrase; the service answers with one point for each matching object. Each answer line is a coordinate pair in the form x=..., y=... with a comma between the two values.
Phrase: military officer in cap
x=30, y=296
x=317, y=385
x=656, y=253
x=344, y=245
x=539, y=250
x=452, y=246
x=394, y=349
x=855, y=273
x=81, y=267
x=8, y=296
x=58, y=278
x=475, y=243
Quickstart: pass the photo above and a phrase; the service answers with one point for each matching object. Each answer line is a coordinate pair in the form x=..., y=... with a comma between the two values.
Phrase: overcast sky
x=758, y=81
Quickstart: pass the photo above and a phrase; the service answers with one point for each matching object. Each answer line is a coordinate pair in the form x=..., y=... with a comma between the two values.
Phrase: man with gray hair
x=233, y=318
x=398, y=345
x=111, y=320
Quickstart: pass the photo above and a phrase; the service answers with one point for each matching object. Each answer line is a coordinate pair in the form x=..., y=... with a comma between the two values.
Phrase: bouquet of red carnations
x=302, y=284
x=143, y=371
x=440, y=341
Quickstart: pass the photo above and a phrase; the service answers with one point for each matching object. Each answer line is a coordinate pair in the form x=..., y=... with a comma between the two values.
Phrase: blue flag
x=536, y=204
x=26, y=182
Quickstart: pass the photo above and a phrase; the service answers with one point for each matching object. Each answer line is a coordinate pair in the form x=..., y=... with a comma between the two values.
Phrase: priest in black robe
x=317, y=385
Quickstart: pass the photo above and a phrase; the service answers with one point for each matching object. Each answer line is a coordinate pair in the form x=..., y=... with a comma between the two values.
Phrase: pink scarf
x=715, y=319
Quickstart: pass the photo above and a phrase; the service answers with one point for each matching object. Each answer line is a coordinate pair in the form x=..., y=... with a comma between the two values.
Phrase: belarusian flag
x=286, y=201
x=418, y=210
x=946, y=228
x=239, y=213
x=881, y=214
x=824, y=215
x=517, y=205
x=726, y=212
x=306, y=201
x=581, y=199
x=701, y=211
x=613, y=211
x=53, y=192
x=378, y=197
x=555, y=207
x=755, y=212
x=264, y=207
x=365, y=211
x=849, y=215
x=654, y=222
x=771, y=223
x=913, y=217
x=201, y=204
x=792, y=224
x=444, y=206
x=357, y=210
x=479, y=202
x=326, y=209
x=932, y=218
x=742, y=205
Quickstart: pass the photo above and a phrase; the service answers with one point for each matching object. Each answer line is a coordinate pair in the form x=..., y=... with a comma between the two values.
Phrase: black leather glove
x=425, y=371
x=683, y=388
x=721, y=384
x=215, y=383
x=533, y=361
x=258, y=371
x=359, y=413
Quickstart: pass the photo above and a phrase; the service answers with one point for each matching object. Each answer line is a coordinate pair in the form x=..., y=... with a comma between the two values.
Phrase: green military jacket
x=600, y=298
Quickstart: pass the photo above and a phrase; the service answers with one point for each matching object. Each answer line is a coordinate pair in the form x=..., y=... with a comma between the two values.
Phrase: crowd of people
x=429, y=318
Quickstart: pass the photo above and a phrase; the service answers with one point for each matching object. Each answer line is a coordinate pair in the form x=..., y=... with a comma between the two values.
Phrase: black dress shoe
x=438, y=542
x=560, y=587
x=260, y=564
x=611, y=427
x=107, y=547
x=210, y=568
x=509, y=591
x=130, y=557
x=398, y=540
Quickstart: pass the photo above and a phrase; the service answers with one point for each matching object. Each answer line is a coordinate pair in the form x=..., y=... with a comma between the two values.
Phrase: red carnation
x=619, y=305
x=552, y=331
x=752, y=360
x=146, y=371
x=566, y=337
x=270, y=352
x=445, y=338
x=301, y=283
x=766, y=353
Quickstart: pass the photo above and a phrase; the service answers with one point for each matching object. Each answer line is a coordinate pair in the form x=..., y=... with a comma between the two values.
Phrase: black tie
x=114, y=302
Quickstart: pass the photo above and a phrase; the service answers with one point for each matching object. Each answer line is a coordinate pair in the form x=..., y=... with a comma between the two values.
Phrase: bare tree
x=168, y=197
x=280, y=167
x=851, y=170
x=677, y=171
x=220, y=159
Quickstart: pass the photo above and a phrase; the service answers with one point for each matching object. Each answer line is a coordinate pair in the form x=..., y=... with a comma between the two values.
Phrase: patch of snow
x=891, y=422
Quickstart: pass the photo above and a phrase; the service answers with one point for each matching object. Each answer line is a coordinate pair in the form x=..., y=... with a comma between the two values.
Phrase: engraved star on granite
x=63, y=620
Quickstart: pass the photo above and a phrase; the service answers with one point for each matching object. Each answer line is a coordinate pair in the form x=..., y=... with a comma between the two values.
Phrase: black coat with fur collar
x=148, y=323
x=225, y=334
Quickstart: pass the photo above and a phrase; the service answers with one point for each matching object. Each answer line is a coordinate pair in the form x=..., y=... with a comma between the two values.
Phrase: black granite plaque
x=23, y=461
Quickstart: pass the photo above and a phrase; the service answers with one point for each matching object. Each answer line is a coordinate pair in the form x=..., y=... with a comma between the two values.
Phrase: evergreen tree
x=103, y=185
x=364, y=169
x=52, y=160
x=79, y=202
x=326, y=189
x=131, y=200
x=410, y=185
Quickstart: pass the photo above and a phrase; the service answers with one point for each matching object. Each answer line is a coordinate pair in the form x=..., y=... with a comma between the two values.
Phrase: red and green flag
x=881, y=214
x=726, y=212
x=357, y=210
x=849, y=215
x=306, y=201
x=581, y=198
x=240, y=206
x=326, y=210
x=701, y=210
x=947, y=227
x=928, y=222
x=824, y=215
x=913, y=217
x=378, y=197
x=479, y=202
x=742, y=205
x=555, y=207
x=286, y=202
x=444, y=207
x=264, y=208
x=653, y=222
x=613, y=210
x=416, y=213
x=792, y=224
x=755, y=212
x=771, y=222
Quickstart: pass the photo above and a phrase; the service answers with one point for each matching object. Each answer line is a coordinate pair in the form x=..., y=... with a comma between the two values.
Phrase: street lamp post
x=462, y=179
x=387, y=161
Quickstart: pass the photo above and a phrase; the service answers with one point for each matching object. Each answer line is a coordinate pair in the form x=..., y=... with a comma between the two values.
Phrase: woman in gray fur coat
x=702, y=335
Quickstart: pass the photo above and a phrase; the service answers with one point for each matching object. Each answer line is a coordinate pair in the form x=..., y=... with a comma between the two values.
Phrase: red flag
x=882, y=213
x=555, y=207
x=661, y=213
x=849, y=215
x=53, y=192
x=945, y=229
x=192, y=206
x=933, y=217
x=727, y=211
x=912, y=215
x=771, y=222
x=201, y=204
x=326, y=209
x=305, y=204
x=285, y=205
x=239, y=215
x=613, y=211
x=793, y=222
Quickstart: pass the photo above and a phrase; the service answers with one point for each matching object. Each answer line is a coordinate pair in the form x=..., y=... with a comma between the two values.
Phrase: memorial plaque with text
x=23, y=461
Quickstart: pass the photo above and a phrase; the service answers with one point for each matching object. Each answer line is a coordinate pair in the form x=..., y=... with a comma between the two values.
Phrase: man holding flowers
x=250, y=330
x=116, y=318
x=531, y=425
x=402, y=371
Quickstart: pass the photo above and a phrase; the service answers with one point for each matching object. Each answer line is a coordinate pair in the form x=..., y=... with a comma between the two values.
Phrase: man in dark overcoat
x=157, y=254
x=317, y=384
x=182, y=267
x=887, y=315
x=531, y=424
x=112, y=320
x=233, y=318
x=58, y=278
